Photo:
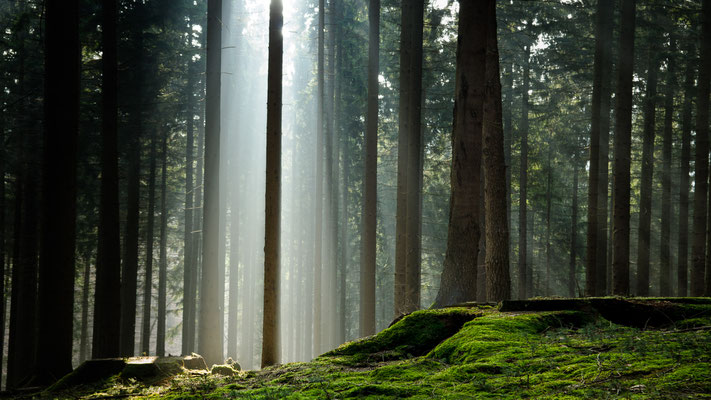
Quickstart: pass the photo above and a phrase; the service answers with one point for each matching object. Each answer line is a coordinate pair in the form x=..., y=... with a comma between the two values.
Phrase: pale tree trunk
x=270, y=332
x=683, y=244
x=148, y=283
x=623, y=133
x=318, y=204
x=458, y=283
x=498, y=285
x=188, y=265
x=209, y=329
x=370, y=180
x=232, y=332
x=665, y=279
x=163, y=256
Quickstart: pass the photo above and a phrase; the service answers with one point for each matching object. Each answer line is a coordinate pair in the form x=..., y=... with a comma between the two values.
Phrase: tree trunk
x=84, y=330
x=683, y=246
x=572, y=282
x=458, y=282
x=232, y=333
x=498, y=285
x=623, y=133
x=548, y=220
x=162, y=257
x=507, y=116
x=188, y=265
x=370, y=179
x=59, y=188
x=645, y=197
x=107, y=305
x=270, y=338
x=210, y=331
x=523, y=180
x=3, y=252
x=665, y=279
x=318, y=204
x=148, y=283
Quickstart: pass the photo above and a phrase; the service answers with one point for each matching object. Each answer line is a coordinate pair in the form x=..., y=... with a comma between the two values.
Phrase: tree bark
x=318, y=204
x=188, y=265
x=498, y=285
x=572, y=281
x=163, y=256
x=523, y=181
x=84, y=330
x=665, y=279
x=148, y=282
x=270, y=332
x=623, y=133
x=210, y=331
x=683, y=245
x=459, y=274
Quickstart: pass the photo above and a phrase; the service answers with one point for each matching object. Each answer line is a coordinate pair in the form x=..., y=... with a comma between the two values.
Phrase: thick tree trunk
x=148, y=282
x=459, y=274
x=623, y=134
x=370, y=180
x=523, y=181
x=498, y=281
x=59, y=188
x=665, y=279
x=645, y=197
x=163, y=256
x=210, y=332
x=107, y=305
x=270, y=338
x=683, y=244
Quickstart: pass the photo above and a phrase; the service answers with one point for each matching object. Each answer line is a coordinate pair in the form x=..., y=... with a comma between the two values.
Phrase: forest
x=298, y=191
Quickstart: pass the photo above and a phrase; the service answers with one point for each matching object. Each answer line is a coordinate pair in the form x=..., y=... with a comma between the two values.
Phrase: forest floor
x=543, y=349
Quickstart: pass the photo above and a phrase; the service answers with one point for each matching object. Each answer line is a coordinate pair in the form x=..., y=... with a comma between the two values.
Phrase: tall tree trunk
x=370, y=179
x=188, y=265
x=59, y=188
x=270, y=338
x=498, y=285
x=698, y=250
x=232, y=333
x=148, y=282
x=623, y=134
x=523, y=180
x=318, y=204
x=163, y=256
x=507, y=119
x=683, y=244
x=84, y=330
x=210, y=331
x=3, y=252
x=107, y=304
x=573, y=234
x=645, y=198
x=599, y=123
x=459, y=273
x=548, y=220
x=665, y=279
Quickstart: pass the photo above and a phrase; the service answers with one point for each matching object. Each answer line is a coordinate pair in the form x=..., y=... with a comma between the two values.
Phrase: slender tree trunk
x=318, y=204
x=599, y=132
x=188, y=265
x=232, y=333
x=573, y=234
x=84, y=330
x=523, y=180
x=698, y=250
x=59, y=188
x=107, y=305
x=665, y=279
x=683, y=246
x=3, y=252
x=370, y=180
x=645, y=200
x=270, y=332
x=148, y=283
x=458, y=283
x=507, y=116
x=210, y=331
x=623, y=133
x=163, y=256
x=498, y=285
x=548, y=220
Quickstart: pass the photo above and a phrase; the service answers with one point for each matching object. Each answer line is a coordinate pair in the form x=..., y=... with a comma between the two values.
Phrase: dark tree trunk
x=458, y=283
x=572, y=282
x=107, y=305
x=523, y=181
x=163, y=256
x=210, y=331
x=3, y=252
x=665, y=279
x=270, y=337
x=148, y=282
x=549, y=182
x=84, y=330
x=370, y=180
x=623, y=133
x=59, y=187
x=683, y=245
x=498, y=281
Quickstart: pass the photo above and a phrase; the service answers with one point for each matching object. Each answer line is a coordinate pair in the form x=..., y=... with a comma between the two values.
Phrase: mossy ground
x=495, y=355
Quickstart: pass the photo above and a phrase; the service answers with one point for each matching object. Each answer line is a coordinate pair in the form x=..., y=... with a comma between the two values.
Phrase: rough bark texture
x=209, y=329
x=59, y=188
x=370, y=181
x=645, y=197
x=665, y=279
x=148, y=281
x=458, y=282
x=163, y=252
x=684, y=181
x=623, y=134
x=498, y=281
x=107, y=305
x=698, y=247
x=270, y=328
x=523, y=182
